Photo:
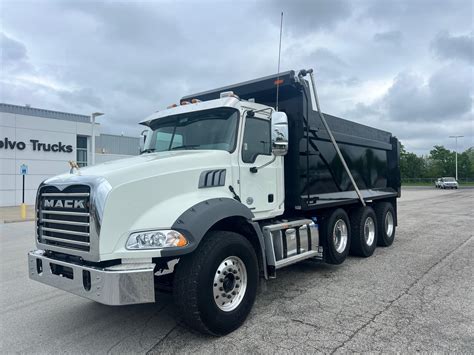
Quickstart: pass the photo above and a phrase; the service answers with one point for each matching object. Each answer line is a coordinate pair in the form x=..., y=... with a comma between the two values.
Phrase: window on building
x=81, y=145
x=257, y=140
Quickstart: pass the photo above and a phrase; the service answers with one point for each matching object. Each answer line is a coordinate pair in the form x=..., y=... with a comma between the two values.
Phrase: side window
x=257, y=140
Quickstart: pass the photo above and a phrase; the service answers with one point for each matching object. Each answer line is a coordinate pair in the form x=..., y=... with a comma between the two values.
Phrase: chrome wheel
x=389, y=225
x=340, y=235
x=369, y=231
x=230, y=283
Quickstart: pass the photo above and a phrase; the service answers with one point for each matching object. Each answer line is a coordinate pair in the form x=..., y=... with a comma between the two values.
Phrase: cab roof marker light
x=195, y=101
x=228, y=94
x=185, y=103
x=172, y=106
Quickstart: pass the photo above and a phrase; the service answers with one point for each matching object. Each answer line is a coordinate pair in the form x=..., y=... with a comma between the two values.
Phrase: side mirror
x=279, y=133
x=143, y=136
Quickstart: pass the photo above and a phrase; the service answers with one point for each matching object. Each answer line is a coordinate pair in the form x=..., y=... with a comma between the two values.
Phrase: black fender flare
x=198, y=219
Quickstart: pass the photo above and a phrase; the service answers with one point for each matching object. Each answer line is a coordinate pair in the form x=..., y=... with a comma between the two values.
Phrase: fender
x=198, y=219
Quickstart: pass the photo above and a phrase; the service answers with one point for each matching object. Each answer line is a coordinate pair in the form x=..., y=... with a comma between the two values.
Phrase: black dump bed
x=314, y=174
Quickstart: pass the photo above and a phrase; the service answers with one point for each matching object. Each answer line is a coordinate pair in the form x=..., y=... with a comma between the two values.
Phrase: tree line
x=438, y=163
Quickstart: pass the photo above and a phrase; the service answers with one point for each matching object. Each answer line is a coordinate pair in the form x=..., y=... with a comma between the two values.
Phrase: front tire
x=364, y=231
x=216, y=285
x=337, y=237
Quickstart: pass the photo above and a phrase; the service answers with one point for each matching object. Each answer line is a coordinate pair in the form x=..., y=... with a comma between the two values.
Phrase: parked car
x=448, y=183
x=437, y=183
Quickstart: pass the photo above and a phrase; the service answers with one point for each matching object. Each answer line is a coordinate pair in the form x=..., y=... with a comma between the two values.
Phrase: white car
x=448, y=183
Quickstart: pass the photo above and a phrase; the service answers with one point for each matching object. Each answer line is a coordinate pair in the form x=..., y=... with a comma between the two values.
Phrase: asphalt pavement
x=416, y=295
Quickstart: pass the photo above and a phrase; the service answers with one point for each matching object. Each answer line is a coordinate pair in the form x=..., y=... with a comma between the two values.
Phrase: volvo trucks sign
x=37, y=146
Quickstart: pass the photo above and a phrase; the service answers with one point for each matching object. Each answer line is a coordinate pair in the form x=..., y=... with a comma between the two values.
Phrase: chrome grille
x=63, y=217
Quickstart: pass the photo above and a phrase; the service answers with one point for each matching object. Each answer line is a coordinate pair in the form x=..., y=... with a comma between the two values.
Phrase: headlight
x=155, y=240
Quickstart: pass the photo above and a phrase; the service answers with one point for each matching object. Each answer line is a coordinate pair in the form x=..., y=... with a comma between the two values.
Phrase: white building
x=43, y=142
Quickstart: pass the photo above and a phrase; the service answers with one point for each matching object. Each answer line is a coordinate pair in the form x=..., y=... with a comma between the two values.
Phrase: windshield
x=449, y=179
x=209, y=129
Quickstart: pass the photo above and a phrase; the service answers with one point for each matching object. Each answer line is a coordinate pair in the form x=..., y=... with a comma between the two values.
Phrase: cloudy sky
x=402, y=66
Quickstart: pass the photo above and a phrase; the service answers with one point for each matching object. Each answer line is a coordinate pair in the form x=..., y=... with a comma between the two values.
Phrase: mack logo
x=65, y=203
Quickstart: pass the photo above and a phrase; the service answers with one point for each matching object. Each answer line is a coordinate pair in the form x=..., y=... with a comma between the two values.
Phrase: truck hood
x=152, y=164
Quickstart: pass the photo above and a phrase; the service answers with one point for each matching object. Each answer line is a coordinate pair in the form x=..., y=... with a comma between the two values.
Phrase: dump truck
x=232, y=185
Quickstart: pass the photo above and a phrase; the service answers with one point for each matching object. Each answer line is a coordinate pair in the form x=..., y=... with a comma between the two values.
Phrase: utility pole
x=456, y=153
x=93, y=116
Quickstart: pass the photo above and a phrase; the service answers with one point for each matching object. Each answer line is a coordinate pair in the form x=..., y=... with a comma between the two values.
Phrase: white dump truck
x=232, y=185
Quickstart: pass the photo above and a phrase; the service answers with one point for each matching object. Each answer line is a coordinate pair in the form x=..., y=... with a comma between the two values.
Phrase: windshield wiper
x=191, y=146
x=149, y=150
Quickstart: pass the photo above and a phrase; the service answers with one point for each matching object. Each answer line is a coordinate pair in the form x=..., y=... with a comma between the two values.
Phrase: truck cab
x=237, y=138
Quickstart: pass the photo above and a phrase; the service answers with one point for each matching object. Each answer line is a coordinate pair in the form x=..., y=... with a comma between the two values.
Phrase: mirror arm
x=254, y=169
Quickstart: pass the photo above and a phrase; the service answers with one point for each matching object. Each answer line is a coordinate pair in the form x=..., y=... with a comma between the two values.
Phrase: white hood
x=145, y=166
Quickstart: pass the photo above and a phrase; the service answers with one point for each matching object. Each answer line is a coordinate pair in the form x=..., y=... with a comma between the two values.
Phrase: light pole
x=456, y=153
x=93, y=116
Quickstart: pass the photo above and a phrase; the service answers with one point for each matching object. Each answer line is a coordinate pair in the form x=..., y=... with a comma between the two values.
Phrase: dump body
x=314, y=175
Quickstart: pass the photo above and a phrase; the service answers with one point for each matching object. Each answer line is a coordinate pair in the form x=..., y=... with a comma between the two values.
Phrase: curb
x=18, y=220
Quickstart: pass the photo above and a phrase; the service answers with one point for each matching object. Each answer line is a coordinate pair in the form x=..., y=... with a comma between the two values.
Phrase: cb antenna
x=279, y=56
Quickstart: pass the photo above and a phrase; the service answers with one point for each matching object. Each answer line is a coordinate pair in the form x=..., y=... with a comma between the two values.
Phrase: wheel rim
x=230, y=283
x=339, y=235
x=369, y=231
x=389, y=225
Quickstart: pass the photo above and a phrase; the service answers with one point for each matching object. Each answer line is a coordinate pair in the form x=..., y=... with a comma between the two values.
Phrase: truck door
x=258, y=191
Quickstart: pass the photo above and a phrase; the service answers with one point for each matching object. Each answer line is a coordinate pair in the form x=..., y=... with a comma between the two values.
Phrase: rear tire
x=337, y=237
x=221, y=271
x=363, y=231
x=386, y=221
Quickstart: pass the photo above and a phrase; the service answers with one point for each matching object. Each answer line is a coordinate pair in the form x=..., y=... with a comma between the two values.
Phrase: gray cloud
x=446, y=95
x=326, y=57
x=389, y=37
x=12, y=50
x=84, y=96
x=14, y=56
x=373, y=59
x=447, y=46
x=308, y=15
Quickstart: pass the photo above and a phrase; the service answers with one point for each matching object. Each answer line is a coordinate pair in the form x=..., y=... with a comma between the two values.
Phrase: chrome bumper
x=116, y=285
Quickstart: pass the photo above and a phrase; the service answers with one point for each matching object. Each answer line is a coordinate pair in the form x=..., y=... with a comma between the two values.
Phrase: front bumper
x=116, y=285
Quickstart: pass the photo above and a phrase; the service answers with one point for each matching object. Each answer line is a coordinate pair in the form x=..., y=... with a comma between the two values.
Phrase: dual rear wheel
x=358, y=233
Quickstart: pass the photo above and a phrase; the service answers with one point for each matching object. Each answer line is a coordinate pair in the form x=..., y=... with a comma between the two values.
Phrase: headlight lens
x=155, y=240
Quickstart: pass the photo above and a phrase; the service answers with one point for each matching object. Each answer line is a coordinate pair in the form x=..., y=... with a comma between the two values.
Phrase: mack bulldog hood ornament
x=73, y=165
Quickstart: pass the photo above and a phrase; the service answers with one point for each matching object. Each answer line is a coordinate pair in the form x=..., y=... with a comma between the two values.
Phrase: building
x=41, y=142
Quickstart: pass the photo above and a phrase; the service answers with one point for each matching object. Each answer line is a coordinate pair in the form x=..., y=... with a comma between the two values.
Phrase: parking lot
x=414, y=296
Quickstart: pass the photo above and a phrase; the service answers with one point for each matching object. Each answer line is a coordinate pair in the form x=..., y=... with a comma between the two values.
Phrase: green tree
x=440, y=162
x=466, y=164
x=443, y=161
x=411, y=165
